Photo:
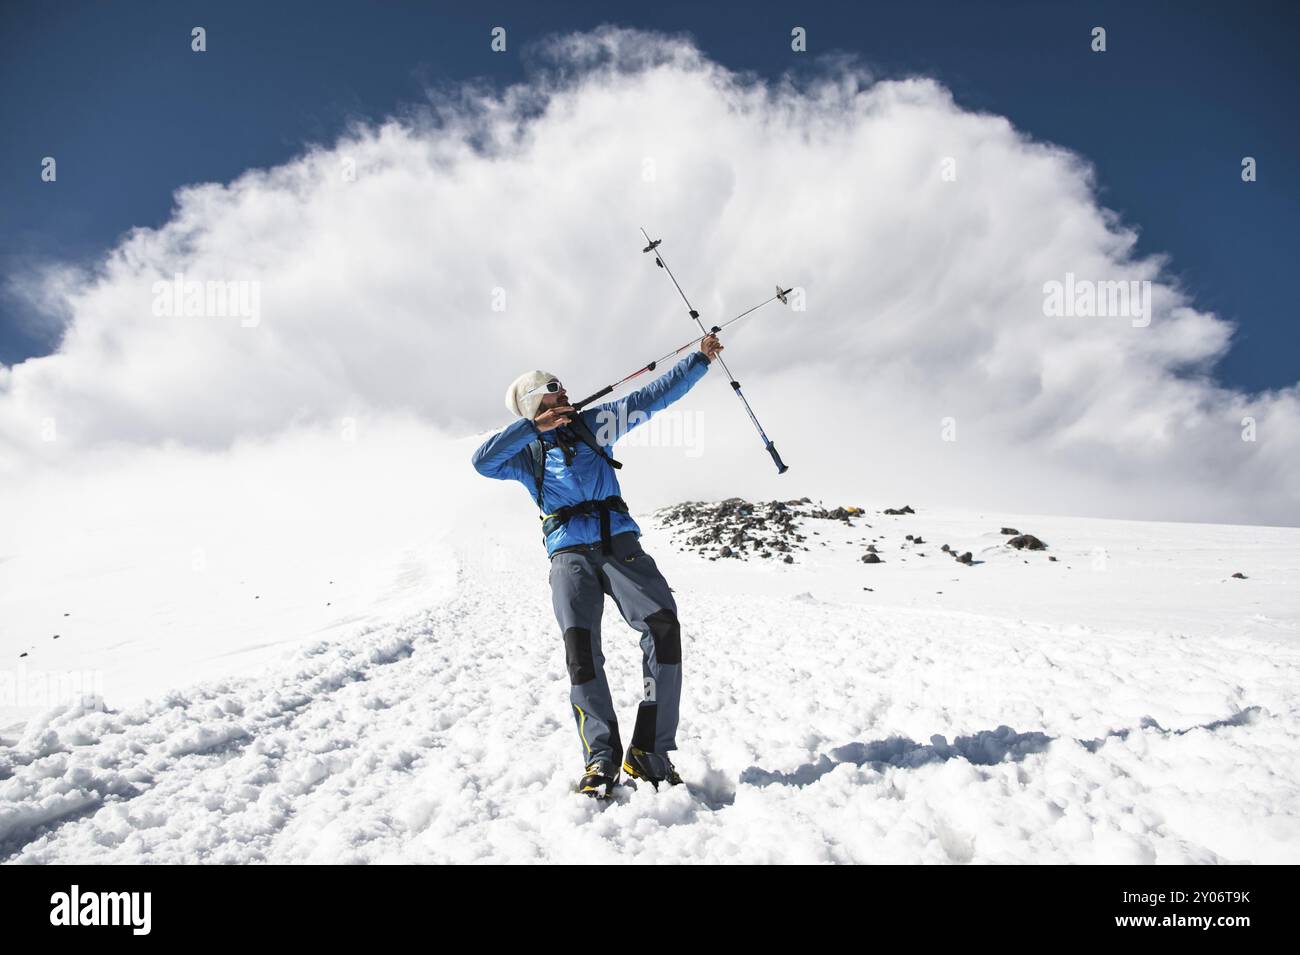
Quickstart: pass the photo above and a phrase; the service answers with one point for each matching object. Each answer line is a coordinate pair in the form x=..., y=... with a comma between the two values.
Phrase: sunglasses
x=551, y=387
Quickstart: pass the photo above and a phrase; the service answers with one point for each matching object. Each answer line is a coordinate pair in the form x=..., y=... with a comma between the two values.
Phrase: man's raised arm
x=641, y=404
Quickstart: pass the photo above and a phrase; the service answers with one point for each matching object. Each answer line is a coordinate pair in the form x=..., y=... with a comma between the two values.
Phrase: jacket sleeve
x=505, y=455
x=637, y=407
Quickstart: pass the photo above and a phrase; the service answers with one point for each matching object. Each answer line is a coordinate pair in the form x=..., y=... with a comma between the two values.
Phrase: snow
x=1129, y=702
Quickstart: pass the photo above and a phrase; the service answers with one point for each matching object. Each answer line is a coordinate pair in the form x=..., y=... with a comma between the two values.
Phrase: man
x=563, y=458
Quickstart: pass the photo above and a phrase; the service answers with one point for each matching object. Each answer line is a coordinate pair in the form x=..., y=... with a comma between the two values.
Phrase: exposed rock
x=1010, y=530
x=1027, y=542
x=965, y=558
x=1239, y=575
x=871, y=559
x=763, y=529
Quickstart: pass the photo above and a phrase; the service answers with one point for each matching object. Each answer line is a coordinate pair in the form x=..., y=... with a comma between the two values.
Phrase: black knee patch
x=667, y=633
x=577, y=654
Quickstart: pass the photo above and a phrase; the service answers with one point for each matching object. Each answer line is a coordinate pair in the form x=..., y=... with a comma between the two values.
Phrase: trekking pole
x=579, y=405
x=659, y=261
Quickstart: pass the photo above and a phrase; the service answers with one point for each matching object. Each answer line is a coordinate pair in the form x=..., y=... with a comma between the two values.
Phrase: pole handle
x=579, y=405
x=776, y=458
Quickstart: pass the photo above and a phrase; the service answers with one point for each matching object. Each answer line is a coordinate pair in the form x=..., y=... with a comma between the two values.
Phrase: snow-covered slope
x=1130, y=701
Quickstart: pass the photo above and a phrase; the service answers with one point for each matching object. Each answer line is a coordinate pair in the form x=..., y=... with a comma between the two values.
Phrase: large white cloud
x=924, y=296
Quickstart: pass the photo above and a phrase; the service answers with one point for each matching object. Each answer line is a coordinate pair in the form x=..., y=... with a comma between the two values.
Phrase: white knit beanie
x=515, y=400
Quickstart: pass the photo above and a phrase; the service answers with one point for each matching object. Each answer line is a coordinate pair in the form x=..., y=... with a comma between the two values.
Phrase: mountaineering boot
x=654, y=768
x=599, y=780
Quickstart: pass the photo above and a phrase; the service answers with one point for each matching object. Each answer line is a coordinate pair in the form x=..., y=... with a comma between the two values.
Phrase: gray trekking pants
x=580, y=579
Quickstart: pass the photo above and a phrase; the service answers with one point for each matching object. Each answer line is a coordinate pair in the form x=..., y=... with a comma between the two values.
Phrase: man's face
x=551, y=399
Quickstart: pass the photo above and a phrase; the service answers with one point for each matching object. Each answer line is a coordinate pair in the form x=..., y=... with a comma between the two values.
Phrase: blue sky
x=1166, y=114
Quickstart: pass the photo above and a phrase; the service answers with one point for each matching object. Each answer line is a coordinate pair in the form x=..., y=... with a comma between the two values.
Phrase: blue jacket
x=505, y=455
